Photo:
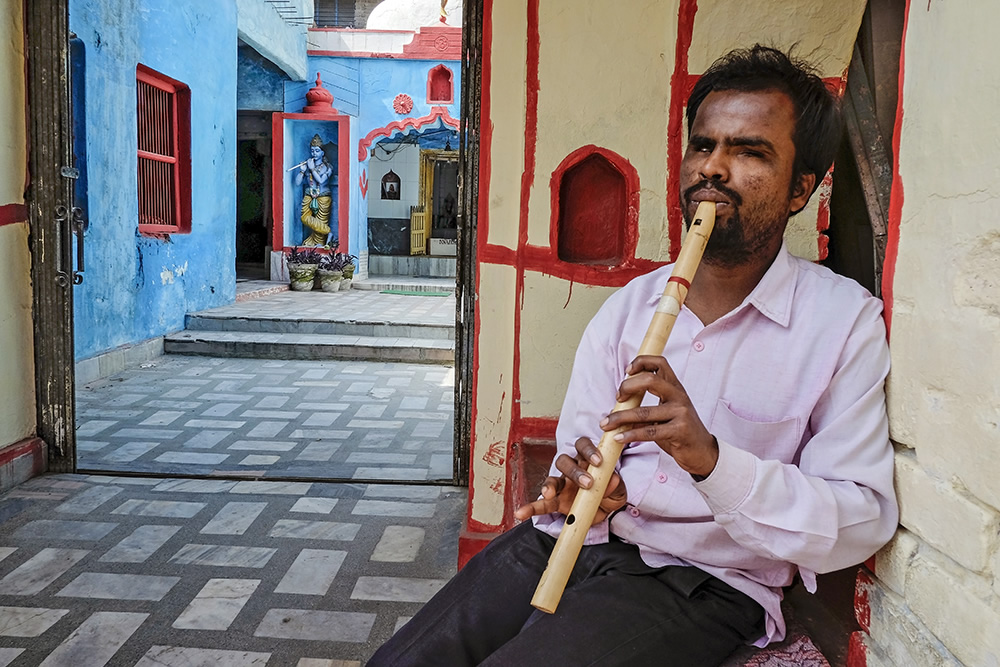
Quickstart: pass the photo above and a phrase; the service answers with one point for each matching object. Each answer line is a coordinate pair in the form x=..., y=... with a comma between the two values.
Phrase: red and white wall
x=563, y=81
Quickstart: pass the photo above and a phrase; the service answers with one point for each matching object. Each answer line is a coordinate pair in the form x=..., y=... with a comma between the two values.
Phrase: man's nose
x=715, y=167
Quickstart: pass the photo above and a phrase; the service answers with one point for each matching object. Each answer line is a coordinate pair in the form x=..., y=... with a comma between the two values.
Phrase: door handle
x=68, y=223
x=78, y=225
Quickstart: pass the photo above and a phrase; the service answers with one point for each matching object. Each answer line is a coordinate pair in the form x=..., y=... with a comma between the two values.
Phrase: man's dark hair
x=760, y=68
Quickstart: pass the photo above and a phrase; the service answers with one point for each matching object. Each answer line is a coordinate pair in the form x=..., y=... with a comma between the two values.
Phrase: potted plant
x=348, y=270
x=302, y=265
x=330, y=272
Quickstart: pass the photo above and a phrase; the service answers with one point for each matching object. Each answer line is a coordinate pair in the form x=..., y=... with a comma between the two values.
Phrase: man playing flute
x=760, y=451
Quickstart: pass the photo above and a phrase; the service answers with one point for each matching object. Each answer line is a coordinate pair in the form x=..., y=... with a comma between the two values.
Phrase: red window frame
x=163, y=146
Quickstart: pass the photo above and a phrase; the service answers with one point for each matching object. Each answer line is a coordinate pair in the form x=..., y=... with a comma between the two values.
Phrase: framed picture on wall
x=390, y=185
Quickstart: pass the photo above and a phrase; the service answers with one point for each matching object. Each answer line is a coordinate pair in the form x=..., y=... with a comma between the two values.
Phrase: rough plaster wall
x=280, y=41
x=494, y=388
x=944, y=387
x=17, y=394
x=412, y=14
x=587, y=97
x=507, y=99
x=561, y=309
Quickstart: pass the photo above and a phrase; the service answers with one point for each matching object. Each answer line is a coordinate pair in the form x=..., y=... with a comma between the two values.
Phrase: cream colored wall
x=17, y=407
x=494, y=393
x=943, y=569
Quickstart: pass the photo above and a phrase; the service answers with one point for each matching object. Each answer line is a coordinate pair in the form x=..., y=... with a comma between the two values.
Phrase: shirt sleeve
x=589, y=397
x=837, y=506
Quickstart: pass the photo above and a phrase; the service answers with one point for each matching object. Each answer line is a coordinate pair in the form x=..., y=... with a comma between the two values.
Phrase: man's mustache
x=731, y=195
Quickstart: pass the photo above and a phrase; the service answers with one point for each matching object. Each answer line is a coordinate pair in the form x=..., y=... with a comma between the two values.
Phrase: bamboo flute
x=585, y=505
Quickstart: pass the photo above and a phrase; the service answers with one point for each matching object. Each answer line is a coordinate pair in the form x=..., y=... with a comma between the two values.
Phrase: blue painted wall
x=137, y=287
x=365, y=88
x=260, y=83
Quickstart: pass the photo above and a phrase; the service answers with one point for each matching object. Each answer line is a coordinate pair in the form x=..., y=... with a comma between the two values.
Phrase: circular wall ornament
x=403, y=103
x=441, y=43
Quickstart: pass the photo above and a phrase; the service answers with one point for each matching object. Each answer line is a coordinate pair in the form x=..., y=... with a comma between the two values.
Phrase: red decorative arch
x=578, y=165
x=405, y=125
x=440, y=85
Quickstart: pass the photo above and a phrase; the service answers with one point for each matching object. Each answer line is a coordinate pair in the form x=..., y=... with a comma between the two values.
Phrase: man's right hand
x=558, y=492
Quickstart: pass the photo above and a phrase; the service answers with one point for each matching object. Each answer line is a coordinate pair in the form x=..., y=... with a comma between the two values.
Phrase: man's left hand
x=673, y=424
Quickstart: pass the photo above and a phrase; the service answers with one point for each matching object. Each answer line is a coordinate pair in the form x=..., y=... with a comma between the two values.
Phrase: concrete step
x=261, y=345
x=380, y=283
x=413, y=265
x=264, y=323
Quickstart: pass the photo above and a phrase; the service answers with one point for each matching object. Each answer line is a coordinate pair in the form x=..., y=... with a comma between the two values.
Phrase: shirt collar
x=773, y=294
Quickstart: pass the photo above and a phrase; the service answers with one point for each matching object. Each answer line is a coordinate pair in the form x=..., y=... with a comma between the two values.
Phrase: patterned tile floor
x=99, y=570
x=355, y=420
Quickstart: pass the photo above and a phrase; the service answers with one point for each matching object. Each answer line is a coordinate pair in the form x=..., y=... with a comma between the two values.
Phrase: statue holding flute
x=754, y=447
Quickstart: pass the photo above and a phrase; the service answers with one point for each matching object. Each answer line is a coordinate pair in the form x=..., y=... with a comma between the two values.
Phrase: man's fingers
x=588, y=450
x=570, y=467
x=549, y=502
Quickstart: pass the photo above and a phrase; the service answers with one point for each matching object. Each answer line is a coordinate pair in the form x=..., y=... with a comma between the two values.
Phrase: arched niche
x=440, y=85
x=595, y=214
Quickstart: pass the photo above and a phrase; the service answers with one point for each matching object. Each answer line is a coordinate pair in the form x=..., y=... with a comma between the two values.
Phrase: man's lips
x=708, y=195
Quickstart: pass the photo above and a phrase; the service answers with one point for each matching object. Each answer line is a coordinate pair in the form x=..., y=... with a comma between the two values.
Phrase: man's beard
x=734, y=242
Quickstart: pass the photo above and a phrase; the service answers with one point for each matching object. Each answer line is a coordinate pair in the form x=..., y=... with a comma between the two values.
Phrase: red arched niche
x=440, y=86
x=595, y=208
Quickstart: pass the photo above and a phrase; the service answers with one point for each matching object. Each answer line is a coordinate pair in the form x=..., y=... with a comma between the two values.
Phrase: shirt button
x=698, y=346
x=634, y=511
x=661, y=477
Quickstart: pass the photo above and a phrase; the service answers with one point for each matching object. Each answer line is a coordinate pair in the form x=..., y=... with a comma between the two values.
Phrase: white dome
x=413, y=14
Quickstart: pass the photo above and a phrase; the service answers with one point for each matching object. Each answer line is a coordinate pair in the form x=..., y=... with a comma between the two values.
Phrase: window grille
x=335, y=13
x=163, y=123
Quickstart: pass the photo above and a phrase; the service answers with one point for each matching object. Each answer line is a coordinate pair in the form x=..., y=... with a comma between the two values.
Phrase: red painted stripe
x=28, y=446
x=13, y=213
x=680, y=88
x=527, y=181
x=857, y=654
x=896, y=195
x=679, y=280
x=483, y=230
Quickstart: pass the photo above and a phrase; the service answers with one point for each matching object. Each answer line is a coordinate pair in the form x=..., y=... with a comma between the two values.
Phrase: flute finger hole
x=570, y=519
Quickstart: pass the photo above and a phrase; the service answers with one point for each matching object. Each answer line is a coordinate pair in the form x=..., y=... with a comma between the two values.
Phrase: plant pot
x=345, y=284
x=329, y=281
x=301, y=276
x=348, y=272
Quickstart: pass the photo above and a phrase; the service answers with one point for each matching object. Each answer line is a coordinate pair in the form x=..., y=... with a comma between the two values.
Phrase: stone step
x=264, y=323
x=261, y=345
x=403, y=284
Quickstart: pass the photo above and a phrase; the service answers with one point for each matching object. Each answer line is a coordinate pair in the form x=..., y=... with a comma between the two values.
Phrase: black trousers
x=616, y=611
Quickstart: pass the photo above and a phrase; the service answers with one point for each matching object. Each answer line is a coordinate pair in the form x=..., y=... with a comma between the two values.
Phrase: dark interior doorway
x=253, y=196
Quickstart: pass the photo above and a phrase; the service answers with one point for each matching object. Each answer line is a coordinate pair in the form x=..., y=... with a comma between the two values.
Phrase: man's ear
x=801, y=192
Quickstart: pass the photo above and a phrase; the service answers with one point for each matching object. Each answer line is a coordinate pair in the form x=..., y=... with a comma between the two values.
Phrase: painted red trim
x=33, y=446
x=535, y=428
x=356, y=54
x=483, y=225
x=13, y=213
x=857, y=652
x=531, y=86
x=451, y=85
x=180, y=151
x=823, y=216
x=278, y=176
x=585, y=272
x=435, y=43
x=862, y=603
x=405, y=124
x=680, y=88
x=896, y=194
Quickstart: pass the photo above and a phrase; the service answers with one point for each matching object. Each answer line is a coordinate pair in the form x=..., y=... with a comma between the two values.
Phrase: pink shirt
x=791, y=384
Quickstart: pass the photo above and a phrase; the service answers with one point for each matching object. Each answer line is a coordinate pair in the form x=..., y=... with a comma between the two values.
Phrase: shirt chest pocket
x=776, y=440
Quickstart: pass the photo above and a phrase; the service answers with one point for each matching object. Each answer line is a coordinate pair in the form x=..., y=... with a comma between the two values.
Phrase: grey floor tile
x=314, y=530
x=140, y=545
x=28, y=621
x=98, y=639
x=312, y=573
x=217, y=604
x=183, y=656
x=335, y=626
x=233, y=519
x=52, y=529
x=161, y=508
x=103, y=585
x=397, y=589
x=399, y=544
x=223, y=556
x=89, y=500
